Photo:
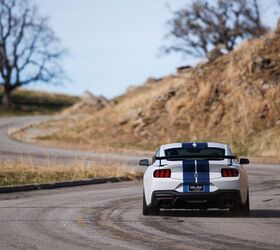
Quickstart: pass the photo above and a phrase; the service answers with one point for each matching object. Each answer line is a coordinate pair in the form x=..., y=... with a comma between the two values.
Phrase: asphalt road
x=108, y=216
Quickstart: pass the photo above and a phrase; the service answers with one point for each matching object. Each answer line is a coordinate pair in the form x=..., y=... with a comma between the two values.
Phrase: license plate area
x=196, y=188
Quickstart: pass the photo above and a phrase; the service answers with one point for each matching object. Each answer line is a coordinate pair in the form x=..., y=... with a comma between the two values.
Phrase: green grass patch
x=28, y=102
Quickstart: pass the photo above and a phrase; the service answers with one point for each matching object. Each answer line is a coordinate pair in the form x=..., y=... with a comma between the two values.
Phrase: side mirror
x=244, y=161
x=144, y=162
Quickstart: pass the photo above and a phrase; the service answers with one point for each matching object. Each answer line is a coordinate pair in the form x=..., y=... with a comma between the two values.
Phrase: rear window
x=215, y=152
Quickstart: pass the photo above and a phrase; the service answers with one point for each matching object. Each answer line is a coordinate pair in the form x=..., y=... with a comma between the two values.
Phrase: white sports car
x=195, y=175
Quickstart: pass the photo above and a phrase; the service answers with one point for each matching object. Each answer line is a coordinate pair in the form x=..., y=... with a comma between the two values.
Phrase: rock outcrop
x=89, y=103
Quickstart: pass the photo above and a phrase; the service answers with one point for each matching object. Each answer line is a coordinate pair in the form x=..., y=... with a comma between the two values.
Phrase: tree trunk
x=6, y=99
x=278, y=26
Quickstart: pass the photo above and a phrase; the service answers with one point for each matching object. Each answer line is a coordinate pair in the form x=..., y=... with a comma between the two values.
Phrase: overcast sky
x=114, y=44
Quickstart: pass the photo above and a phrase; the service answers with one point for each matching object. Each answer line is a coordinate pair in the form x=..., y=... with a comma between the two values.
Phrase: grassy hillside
x=34, y=102
x=235, y=99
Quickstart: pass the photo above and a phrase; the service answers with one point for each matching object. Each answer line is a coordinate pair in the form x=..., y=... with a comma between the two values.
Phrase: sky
x=115, y=44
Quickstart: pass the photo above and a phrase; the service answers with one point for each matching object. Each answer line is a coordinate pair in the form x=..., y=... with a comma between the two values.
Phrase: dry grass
x=25, y=171
x=265, y=146
x=233, y=99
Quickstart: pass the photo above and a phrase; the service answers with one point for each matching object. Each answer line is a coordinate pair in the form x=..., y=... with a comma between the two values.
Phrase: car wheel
x=243, y=209
x=145, y=207
x=149, y=210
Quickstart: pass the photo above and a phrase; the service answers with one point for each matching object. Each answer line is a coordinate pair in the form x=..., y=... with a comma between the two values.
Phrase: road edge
x=63, y=184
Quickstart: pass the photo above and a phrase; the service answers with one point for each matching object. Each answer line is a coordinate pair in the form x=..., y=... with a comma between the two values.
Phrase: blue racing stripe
x=189, y=168
x=203, y=173
x=188, y=174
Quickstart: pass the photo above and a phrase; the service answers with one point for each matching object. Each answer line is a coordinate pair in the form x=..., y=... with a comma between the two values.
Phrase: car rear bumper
x=217, y=199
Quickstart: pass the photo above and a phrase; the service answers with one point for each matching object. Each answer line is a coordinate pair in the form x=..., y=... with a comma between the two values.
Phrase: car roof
x=180, y=144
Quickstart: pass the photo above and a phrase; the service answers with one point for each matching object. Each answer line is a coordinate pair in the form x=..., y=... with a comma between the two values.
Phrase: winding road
x=108, y=216
x=11, y=149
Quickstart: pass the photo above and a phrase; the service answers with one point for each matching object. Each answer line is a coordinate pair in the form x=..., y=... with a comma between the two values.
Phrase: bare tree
x=29, y=49
x=206, y=25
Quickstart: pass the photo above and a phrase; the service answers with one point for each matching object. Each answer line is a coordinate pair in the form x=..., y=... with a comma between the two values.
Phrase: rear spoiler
x=186, y=157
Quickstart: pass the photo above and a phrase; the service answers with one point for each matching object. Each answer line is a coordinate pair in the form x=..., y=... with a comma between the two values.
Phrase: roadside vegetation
x=234, y=99
x=28, y=102
x=23, y=172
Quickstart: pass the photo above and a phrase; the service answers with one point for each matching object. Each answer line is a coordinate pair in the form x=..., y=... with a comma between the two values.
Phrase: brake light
x=162, y=173
x=229, y=172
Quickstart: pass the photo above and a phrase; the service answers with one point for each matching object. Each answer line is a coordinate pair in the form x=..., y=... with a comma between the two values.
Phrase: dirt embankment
x=234, y=99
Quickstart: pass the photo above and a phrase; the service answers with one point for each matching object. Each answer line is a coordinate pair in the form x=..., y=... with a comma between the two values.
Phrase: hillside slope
x=235, y=99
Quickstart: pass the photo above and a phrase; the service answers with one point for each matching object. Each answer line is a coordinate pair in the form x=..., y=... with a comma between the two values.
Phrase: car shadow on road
x=254, y=213
x=265, y=213
x=194, y=213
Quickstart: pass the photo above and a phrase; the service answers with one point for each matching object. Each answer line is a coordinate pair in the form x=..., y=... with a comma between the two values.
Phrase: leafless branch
x=204, y=25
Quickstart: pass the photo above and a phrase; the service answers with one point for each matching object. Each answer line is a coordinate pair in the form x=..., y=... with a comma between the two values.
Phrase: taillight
x=229, y=172
x=162, y=173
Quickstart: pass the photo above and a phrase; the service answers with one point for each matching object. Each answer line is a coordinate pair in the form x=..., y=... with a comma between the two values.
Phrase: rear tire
x=242, y=210
x=154, y=210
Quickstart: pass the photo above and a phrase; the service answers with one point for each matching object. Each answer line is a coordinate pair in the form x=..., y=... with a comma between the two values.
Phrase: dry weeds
x=26, y=171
